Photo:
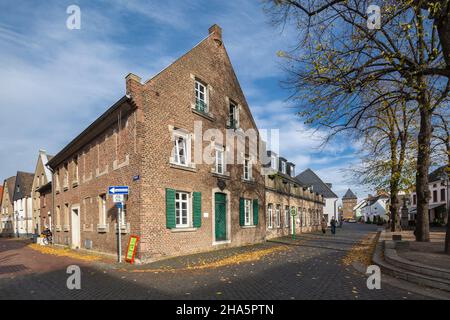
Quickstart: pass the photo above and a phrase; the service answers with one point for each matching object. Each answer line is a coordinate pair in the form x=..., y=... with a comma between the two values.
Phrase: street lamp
x=446, y=182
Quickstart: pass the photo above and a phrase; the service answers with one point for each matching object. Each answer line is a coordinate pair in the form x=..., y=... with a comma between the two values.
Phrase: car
x=351, y=220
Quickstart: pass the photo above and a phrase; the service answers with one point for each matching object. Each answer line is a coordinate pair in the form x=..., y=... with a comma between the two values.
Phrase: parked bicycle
x=47, y=236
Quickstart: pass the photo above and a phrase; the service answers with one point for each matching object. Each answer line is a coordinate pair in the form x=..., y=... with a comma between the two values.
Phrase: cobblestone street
x=309, y=269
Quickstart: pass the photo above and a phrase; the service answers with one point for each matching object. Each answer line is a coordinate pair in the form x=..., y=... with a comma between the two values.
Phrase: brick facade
x=42, y=177
x=7, y=208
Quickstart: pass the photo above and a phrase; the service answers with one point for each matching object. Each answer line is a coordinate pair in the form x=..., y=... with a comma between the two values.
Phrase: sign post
x=293, y=214
x=118, y=193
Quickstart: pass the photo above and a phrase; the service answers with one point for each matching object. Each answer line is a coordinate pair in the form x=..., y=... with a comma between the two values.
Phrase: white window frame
x=278, y=215
x=270, y=215
x=176, y=159
x=235, y=107
x=283, y=167
x=179, y=210
x=198, y=92
x=292, y=171
x=102, y=207
x=247, y=169
x=274, y=163
x=219, y=163
x=286, y=216
x=248, y=216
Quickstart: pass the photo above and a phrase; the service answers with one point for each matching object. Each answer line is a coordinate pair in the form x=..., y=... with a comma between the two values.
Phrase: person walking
x=333, y=225
x=324, y=226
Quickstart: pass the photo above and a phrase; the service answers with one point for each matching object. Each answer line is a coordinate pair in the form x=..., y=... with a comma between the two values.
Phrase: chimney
x=216, y=30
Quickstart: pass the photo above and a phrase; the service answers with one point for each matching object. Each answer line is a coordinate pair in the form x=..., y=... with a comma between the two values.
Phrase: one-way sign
x=118, y=190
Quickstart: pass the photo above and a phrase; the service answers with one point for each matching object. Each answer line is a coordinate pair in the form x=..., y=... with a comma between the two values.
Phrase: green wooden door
x=221, y=217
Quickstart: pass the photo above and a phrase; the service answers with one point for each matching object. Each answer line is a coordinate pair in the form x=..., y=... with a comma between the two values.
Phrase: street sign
x=117, y=198
x=119, y=205
x=118, y=190
x=293, y=212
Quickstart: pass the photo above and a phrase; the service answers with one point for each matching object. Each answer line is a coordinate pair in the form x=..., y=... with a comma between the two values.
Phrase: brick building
x=7, y=208
x=146, y=140
x=42, y=177
x=284, y=195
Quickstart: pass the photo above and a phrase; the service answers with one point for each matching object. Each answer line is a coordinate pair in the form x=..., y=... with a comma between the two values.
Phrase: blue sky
x=55, y=81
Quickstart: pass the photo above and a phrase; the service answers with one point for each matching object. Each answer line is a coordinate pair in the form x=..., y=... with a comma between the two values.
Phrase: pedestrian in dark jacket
x=324, y=226
x=333, y=226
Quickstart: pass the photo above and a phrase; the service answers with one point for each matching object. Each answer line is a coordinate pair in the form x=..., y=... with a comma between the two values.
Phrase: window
x=233, y=116
x=435, y=196
x=283, y=167
x=414, y=199
x=66, y=215
x=278, y=216
x=181, y=154
x=182, y=209
x=58, y=187
x=201, y=97
x=247, y=169
x=286, y=216
x=219, y=160
x=273, y=162
x=270, y=213
x=442, y=194
x=66, y=176
x=75, y=169
x=248, y=221
x=292, y=171
x=102, y=210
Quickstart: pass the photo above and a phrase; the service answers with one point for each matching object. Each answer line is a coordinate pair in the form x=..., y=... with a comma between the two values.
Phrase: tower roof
x=349, y=195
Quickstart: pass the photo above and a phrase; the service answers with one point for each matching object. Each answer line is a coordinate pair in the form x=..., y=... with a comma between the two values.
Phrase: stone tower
x=349, y=201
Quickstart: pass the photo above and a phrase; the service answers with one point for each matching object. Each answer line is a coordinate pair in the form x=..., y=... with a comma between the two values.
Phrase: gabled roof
x=1, y=194
x=349, y=195
x=24, y=180
x=309, y=178
x=438, y=174
x=10, y=183
x=45, y=158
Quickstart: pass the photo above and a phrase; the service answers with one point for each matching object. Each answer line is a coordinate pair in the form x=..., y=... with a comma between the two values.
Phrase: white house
x=438, y=184
x=375, y=206
x=23, y=208
x=357, y=210
x=311, y=179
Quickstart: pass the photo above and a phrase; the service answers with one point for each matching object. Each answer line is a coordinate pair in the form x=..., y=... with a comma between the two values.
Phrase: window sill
x=218, y=243
x=207, y=116
x=250, y=181
x=182, y=167
x=65, y=188
x=176, y=230
x=248, y=227
x=220, y=175
x=66, y=228
x=58, y=228
x=103, y=228
x=75, y=184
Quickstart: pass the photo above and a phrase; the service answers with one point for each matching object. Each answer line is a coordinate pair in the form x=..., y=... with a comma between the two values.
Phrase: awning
x=433, y=206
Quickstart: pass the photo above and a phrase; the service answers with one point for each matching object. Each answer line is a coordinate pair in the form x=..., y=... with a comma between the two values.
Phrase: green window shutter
x=170, y=208
x=255, y=212
x=241, y=212
x=197, y=209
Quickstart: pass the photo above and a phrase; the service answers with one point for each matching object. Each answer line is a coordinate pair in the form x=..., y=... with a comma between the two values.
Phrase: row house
x=41, y=191
x=310, y=179
x=439, y=188
x=23, y=211
x=7, y=208
x=286, y=195
x=147, y=140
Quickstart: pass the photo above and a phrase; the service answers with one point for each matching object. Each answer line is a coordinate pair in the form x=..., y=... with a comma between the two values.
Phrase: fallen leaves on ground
x=63, y=252
x=228, y=261
x=362, y=252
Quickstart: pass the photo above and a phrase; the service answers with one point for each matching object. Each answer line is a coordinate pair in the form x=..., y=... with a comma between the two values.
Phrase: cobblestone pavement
x=310, y=269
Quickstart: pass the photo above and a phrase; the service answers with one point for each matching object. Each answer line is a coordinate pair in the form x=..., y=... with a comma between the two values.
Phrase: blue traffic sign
x=118, y=190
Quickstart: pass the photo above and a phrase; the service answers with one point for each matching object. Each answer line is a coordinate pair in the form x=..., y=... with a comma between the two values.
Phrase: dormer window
x=201, y=97
x=273, y=163
x=292, y=171
x=283, y=167
x=233, y=116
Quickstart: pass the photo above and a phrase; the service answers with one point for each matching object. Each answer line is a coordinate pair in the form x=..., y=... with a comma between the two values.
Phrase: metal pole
x=119, y=236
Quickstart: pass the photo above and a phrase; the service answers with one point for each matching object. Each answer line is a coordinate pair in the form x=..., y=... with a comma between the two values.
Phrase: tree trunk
x=422, y=232
x=394, y=211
